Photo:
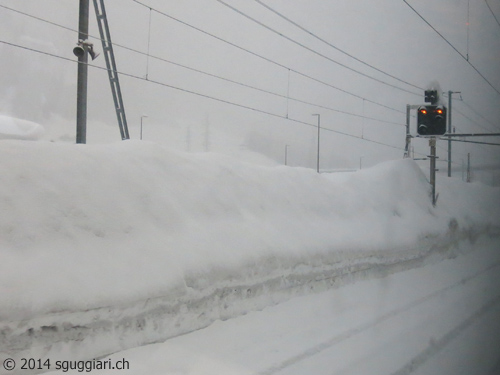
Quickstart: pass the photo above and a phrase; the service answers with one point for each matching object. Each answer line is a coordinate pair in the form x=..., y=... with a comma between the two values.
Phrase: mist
x=211, y=79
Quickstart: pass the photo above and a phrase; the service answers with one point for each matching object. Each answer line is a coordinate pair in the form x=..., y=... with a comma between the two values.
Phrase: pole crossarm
x=465, y=141
x=471, y=135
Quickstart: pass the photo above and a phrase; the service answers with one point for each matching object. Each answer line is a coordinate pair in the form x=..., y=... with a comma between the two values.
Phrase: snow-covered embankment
x=104, y=248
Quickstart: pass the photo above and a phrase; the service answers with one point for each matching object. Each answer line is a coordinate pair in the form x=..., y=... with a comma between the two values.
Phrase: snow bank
x=14, y=128
x=89, y=228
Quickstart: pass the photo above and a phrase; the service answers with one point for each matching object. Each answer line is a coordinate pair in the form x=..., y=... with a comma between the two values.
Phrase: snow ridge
x=110, y=247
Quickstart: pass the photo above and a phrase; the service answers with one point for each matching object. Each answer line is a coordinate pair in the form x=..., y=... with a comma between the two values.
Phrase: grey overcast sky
x=283, y=75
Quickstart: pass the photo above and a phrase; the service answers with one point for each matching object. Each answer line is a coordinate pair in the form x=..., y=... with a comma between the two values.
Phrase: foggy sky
x=386, y=34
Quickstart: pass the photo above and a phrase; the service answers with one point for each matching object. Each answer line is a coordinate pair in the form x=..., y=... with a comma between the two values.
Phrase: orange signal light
x=423, y=111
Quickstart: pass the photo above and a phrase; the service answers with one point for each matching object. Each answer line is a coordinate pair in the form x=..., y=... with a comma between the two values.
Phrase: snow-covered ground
x=438, y=319
x=110, y=247
x=14, y=128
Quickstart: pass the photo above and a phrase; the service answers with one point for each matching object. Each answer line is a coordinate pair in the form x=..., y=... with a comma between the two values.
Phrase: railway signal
x=431, y=96
x=431, y=120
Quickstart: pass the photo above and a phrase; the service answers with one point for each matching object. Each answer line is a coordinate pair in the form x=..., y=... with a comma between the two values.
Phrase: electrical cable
x=148, y=55
x=491, y=10
x=265, y=58
x=333, y=46
x=195, y=93
x=204, y=96
x=471, y=120
x=478, y=114
x=38, y=18
x=461, y=101
x=466, y=58
x=199, y=94
x=312, y=50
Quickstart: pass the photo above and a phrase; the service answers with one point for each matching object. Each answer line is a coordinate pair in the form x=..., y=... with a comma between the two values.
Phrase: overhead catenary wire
x=492, y=13
x=38, y=18
x=462, y=101
x=480, y=115
x=471, y=120
x=218, y=99
x=466, y=58
x=274, y=62
x=270, y=60
x=148, y=55
x=311, y=49
x=265, y=58
x=334, y=46
x=257, y=110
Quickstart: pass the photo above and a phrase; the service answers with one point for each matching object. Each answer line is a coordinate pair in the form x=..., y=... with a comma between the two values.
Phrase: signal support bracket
x=409, y=107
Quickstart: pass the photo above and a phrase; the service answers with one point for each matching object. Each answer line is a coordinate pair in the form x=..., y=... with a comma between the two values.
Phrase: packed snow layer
x=14, y=128
x=441, y=318
x=131, y=243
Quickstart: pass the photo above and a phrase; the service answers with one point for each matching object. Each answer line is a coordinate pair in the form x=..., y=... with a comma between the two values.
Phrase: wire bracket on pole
x=107, y=48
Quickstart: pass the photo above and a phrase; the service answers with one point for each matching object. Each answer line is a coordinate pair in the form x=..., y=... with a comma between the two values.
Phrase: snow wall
x=104, y=248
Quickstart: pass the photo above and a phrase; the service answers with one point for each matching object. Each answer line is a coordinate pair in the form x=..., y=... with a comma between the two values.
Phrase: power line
x=207, y=96
x=188, y=91
x=310, y=49
x=435, y=30
x=43, y=52
x=333, y=46
x=491, y=10
x=38, y=18
x=264, y=90
x=148, y=55
x=268, y=59
x=473, y=110
x=226, y=79
x=466, y=58
x=345, y=91
x=471, y=120
x=204, y=96
x=480, y=115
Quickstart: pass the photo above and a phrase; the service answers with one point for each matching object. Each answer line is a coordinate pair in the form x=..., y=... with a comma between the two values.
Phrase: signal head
x=431, y=120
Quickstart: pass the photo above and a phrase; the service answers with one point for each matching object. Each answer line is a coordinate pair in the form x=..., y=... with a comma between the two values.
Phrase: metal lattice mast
x=107, y=48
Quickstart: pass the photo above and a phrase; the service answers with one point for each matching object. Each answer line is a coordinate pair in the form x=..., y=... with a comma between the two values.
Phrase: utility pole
x=81, y=96
x=207, y=133
x=433, y=157
x=450, y=93
x=286, y=154
x=143, y=116
x=317, y=161
x=468, y=168
x=408, y=136
x=409, y=107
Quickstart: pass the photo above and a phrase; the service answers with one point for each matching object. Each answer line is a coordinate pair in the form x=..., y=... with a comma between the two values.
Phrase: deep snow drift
x=133, y=233
x=14, y=128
